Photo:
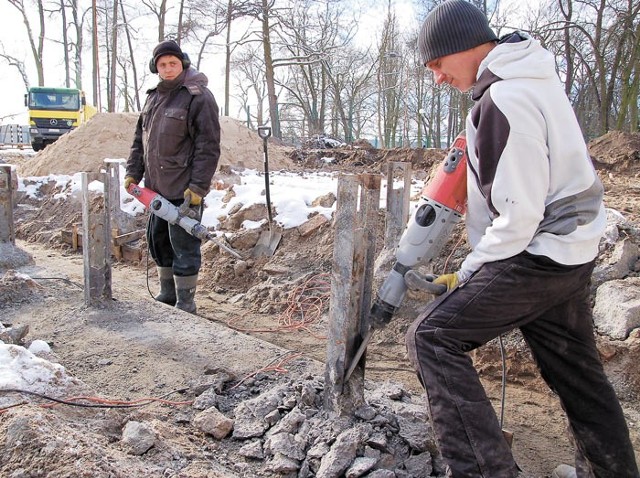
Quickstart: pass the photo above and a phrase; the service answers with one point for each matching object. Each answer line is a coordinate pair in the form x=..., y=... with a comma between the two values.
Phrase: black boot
x=186, y=291
x=167, y=293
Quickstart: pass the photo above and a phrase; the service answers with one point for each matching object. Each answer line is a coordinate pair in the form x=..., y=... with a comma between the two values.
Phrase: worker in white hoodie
x=534, y=221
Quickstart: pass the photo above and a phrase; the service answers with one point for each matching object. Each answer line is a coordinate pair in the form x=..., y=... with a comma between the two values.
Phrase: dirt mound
x=617, y=150
x=366, y=159
x=109, y=136
x=105, y=136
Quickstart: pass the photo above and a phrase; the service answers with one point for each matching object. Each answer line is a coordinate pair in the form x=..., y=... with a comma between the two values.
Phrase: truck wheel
x=37, y=146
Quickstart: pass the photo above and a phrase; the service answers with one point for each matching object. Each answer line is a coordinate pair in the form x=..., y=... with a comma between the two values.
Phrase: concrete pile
x=284, y=431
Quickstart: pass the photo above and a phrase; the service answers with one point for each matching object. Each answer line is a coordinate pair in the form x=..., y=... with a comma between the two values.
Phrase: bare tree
x=136, y=89
x=95, y=56
x=249, y=72
x=389, y=79
x=269, y=68
x=598, y=39
x=114, y=57
x=350, y=76
x=308, y=39
x=159, y=10
x=37, y=48
x=18, y=64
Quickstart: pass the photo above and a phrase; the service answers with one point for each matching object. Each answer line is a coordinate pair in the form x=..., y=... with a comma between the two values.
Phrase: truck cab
x=54, y=112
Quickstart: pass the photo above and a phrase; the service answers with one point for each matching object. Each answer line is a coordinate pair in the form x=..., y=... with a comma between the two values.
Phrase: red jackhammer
x=181, y=216
x=442, y=204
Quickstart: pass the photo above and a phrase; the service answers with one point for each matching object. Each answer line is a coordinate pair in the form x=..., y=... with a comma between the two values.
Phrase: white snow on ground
x=291, y=195
x=21, y=369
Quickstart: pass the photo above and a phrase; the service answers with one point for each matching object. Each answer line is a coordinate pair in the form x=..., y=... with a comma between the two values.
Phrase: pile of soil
x=109, y=136
x=617, y=150
x=282, y=300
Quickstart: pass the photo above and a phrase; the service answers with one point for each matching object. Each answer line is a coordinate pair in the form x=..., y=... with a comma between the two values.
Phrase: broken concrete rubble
x=139, y=437
x=286, y=431
x=622, y=260
x=617, y=309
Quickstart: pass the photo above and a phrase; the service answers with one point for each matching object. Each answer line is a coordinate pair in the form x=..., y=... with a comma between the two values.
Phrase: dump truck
x=54, y=112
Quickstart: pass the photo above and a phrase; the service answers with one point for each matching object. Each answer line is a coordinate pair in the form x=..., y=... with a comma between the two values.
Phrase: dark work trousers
x=171, y=246
x=549, y=302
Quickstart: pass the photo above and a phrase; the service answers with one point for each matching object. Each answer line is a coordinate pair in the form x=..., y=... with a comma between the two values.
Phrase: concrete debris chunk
x=251, y=414
x=360, y=466
x=138, y=437
x=618, y=265
x=617, y=308
x=326, y=200
x=283, y=464
x=213, y=422
x=291, y=422
x=209, y=398
x=285, y=444
x=342, y=453
x=252, y=450
x=312, y=225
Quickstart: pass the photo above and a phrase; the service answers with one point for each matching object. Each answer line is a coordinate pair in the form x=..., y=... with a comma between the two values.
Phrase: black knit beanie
x=452, y=27
x=167, y=47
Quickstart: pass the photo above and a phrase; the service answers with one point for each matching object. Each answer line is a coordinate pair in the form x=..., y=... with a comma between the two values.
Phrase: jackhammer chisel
x=182, y=216
x=442, y=204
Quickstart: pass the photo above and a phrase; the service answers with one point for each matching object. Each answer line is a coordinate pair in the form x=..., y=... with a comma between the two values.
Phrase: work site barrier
x=14, y=136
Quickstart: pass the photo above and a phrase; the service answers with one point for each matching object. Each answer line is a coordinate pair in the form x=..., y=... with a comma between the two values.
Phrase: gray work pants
x=549, y=302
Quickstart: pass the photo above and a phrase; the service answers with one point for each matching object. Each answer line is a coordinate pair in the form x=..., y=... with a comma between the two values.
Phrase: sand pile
x=109, y=136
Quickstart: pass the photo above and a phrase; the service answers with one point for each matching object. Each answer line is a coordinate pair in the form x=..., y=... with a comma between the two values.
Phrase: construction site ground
x=247, y=325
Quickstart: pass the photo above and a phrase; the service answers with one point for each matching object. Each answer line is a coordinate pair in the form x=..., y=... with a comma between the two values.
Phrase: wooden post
x=353, y=253
x=96, y=246
x=397, y=203
x=7, y=231
x=120, y=220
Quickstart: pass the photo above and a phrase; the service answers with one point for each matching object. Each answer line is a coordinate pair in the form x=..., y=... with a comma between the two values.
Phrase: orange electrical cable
x=304, y=307
x=93, y=402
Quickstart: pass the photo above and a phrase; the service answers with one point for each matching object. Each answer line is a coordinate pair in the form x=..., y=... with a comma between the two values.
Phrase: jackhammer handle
x=417, y=281
x=185, y=210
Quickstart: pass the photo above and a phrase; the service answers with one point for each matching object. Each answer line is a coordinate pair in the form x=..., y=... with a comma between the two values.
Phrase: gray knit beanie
x=452, y=27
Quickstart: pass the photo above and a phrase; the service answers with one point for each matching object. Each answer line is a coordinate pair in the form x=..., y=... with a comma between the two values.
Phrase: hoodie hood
x=194, y=77
x=516, y=56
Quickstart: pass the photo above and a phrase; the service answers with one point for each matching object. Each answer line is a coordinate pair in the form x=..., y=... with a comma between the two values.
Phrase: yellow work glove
x=193, y=198
x=128, y=181
x=450, y=280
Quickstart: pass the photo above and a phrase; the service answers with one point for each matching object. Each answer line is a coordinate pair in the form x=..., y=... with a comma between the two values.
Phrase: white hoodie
x=531, y=183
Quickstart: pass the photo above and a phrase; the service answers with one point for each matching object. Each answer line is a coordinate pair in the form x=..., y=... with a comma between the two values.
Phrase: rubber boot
x=167, y=293
x=186, y=291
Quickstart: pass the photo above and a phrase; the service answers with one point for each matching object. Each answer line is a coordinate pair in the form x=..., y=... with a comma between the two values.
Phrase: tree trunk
x=96, y=62
x=227, y=60
x=270, y=73
x=136, y=93
x=114, y=57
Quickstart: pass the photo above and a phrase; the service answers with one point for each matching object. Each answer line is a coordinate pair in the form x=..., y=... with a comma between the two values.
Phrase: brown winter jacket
x=177, y=139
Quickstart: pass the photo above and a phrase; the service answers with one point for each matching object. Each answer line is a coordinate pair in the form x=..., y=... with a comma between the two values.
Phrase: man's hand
x=193, y=198
x=128, y=181
x=450, y=280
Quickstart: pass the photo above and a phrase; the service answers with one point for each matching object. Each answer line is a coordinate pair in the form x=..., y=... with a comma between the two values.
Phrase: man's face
x=458, y=70
x=169, y=67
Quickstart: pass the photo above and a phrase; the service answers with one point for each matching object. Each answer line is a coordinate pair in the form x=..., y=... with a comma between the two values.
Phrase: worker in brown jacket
x=176, y=149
